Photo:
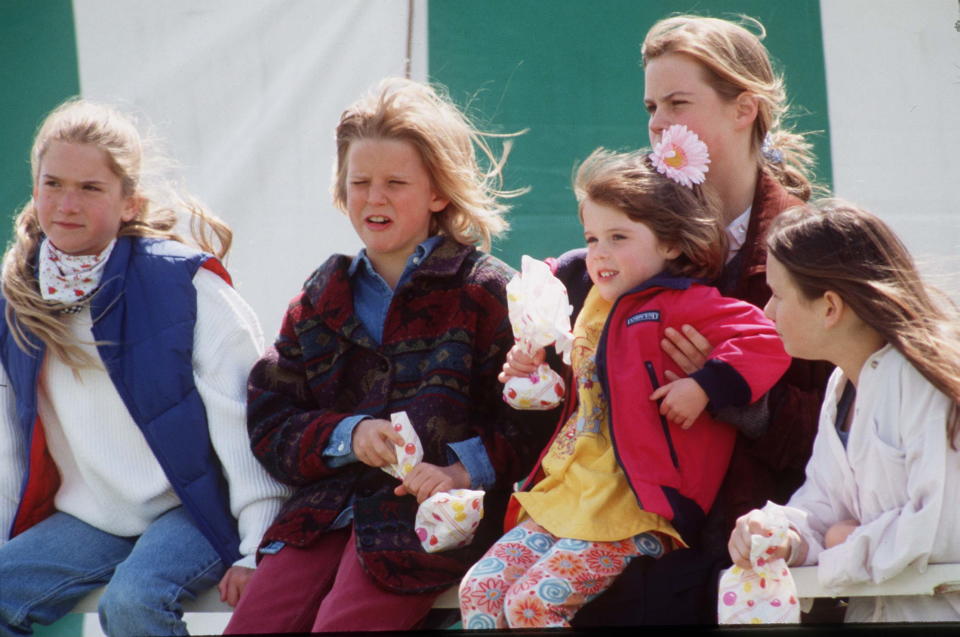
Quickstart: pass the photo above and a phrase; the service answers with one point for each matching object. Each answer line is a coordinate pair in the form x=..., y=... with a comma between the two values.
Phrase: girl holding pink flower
x=637, y=460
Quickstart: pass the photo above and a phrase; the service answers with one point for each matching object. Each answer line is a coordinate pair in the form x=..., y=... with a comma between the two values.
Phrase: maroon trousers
x=322, y=588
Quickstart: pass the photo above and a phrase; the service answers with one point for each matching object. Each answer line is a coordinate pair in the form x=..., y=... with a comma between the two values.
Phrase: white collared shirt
x=737, y=233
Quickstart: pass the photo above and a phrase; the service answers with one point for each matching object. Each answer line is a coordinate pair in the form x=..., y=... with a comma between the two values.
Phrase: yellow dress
x=584, y=493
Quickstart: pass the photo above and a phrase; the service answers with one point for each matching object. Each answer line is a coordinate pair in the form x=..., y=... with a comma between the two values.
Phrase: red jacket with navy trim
x=675, y=472
x=769, y=464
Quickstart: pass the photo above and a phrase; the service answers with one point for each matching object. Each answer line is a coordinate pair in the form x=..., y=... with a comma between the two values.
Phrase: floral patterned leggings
x=532, y=579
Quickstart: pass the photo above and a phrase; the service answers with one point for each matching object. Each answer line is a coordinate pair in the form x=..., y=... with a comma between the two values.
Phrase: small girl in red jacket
x=638, y=459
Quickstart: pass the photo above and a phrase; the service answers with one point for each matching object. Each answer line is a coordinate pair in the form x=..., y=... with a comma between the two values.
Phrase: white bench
x=204, y=615
x=206, y=602
x=938, y=579
x=209, y=602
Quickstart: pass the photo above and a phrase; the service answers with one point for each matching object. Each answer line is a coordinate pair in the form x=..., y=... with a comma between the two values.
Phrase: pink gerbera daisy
x=681, y=156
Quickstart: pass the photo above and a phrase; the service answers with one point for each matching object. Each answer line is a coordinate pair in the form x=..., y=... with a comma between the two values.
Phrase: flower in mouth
x=681, y=156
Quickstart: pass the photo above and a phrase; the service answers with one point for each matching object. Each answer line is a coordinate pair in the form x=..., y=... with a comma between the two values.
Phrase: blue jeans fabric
x=45, y=570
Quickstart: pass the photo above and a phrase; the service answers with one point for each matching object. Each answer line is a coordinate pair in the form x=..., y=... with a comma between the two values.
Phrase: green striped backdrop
x=570, y=72
x=567, y=70
x=38, y=69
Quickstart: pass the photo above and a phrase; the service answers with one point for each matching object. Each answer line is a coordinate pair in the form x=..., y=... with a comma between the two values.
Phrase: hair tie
x=771, y=154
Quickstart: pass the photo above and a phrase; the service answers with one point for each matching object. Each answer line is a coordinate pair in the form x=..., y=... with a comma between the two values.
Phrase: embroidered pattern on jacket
x=650, y=316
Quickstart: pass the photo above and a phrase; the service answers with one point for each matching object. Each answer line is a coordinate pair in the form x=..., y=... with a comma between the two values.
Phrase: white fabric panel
x=246, y=96
x=893, y=80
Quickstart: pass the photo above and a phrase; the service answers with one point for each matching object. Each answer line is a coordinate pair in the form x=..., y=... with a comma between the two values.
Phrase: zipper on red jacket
x=601, y=361
x=663, y=419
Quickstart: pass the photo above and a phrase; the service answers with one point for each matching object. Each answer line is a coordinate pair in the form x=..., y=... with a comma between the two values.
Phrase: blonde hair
x=735, y=60
x=158, y=204
x=446, y=140
x=681, y=217
x=833, y=245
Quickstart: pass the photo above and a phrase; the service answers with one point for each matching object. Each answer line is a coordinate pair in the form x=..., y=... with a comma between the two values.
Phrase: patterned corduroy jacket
x=444, y=341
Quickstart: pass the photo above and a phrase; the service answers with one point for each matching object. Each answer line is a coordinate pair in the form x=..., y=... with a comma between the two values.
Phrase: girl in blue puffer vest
x=124, y=458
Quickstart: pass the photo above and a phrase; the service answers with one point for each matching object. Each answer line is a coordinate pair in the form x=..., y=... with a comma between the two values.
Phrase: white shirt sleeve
x=12, y=457
x=897, y=478
x=819, y=503
x=901, y=502
x=227, y=342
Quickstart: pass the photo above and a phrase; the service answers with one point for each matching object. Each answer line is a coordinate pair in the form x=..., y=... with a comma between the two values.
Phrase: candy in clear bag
x=764, y=593
x=444, y=520
x=540, y=316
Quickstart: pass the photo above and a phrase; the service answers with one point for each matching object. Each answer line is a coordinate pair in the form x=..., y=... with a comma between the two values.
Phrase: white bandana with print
x=68, y=278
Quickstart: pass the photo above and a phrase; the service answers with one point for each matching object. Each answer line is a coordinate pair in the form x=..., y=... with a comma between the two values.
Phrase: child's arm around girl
x=885, y=470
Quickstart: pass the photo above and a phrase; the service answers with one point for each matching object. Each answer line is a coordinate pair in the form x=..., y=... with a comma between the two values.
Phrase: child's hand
x=426, y=479
x=755, y=523
x=839, y=532
x=233, y=582
x=375, y=442
x=683, y=401
x=688, y=348
x=520, y=364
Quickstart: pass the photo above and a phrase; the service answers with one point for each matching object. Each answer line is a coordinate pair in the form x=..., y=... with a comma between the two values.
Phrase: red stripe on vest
x=216, y=267
x=37, y=502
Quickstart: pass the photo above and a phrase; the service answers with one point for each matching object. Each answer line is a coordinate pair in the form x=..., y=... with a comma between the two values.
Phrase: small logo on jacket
x=644, y=317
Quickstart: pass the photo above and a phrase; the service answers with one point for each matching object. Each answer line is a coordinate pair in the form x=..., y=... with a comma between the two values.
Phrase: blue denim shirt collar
x=421, y=252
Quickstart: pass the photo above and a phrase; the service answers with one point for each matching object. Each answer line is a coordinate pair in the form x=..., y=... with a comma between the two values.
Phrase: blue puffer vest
x=144, y=316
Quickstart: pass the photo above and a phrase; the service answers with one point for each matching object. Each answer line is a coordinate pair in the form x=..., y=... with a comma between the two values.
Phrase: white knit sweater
x=110, y=478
